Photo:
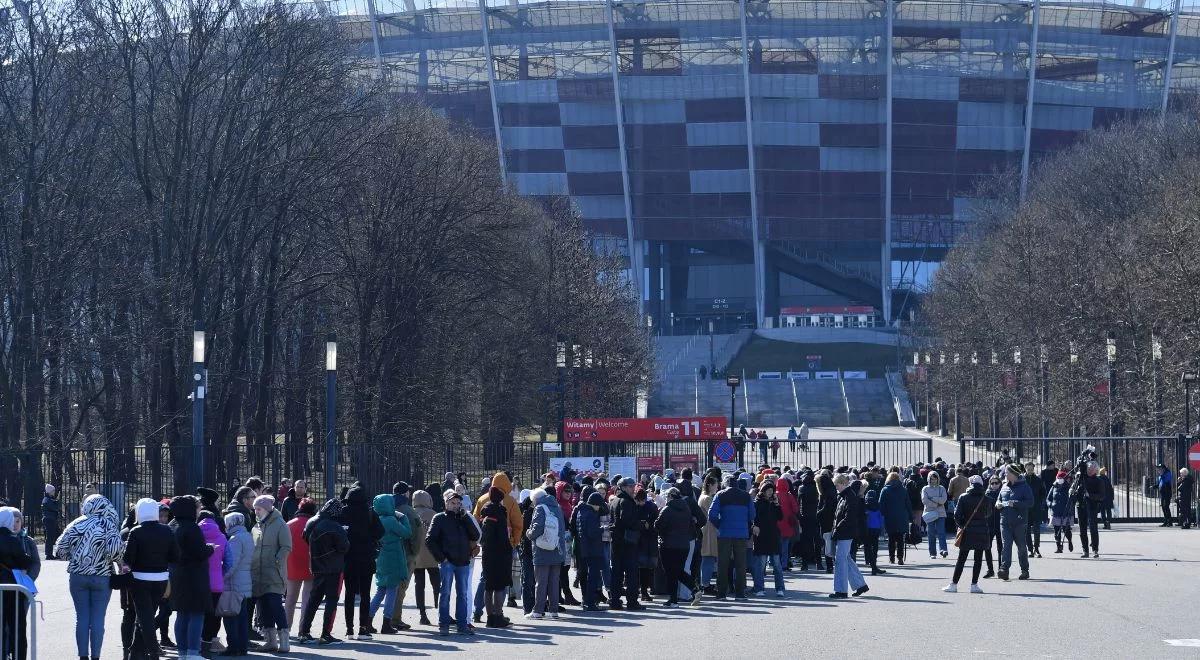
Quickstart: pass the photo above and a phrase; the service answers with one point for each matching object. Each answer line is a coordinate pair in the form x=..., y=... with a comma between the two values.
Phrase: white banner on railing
x=854, y=375
x=827, y=375
x=798, y=375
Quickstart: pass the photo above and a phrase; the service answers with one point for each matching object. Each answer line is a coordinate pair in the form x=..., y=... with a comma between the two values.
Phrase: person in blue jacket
x=1014, y=503
x=589, y=542
x=1166, y=484
x=874, y=529
x=1058, y=502
x=897, y=515
x=732, y=513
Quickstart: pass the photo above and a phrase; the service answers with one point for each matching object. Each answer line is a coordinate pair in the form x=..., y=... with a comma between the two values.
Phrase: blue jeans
x=785, y=547
x=460, y=575
x=188, y=626
x=758, y=568
x=845, y=570
x=479, y=592
x=594, y=571
x=708, y=566
x=387, y=597
x=90, y=593
x=237, y=628
x=937, y=532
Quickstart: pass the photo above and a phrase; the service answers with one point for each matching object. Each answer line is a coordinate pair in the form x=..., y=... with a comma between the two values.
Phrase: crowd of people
x=272, y=553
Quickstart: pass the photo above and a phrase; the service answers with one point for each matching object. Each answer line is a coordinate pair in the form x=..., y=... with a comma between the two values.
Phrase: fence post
x=929, y=450
x=962, y=450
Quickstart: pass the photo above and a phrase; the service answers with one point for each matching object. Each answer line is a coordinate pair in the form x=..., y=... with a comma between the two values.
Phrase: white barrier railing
x=12, y=618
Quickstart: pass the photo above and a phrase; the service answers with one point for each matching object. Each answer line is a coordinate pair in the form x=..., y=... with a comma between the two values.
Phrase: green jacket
x=391, y=567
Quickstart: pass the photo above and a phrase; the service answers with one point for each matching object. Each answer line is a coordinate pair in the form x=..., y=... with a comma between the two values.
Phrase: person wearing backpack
x=548, y=533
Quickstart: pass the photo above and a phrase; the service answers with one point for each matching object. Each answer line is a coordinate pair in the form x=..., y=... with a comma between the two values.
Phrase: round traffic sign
x=724, y=451
x=1194, y=456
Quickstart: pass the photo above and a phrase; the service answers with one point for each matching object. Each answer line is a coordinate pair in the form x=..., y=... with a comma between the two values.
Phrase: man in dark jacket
x=847, y=520
x=589, y=544
x=51, y=519
x=627, y=532
x=676, y=527
x=291, y=503
x=1089, y=495
x=328, y=545
x=150, y=549
x=451, y=537
x=1014, y=504
x=810, y=527
x=243, y=503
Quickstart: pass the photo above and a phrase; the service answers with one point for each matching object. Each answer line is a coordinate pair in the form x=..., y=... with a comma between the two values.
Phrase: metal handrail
x=18, y=614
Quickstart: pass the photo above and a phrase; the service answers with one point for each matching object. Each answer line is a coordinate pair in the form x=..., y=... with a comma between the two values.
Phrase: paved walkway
x=1138, y=600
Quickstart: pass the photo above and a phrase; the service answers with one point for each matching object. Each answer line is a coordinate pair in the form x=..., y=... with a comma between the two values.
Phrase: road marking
x=1191, y=643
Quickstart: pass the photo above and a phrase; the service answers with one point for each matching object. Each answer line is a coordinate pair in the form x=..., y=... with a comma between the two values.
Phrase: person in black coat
x=13, y=557
x=826, y=507
x=1185, y=491
x=497, y=558
x=676, y=529
x=364, y=531
x=327, y=548
x=973, y=515
x=191, y=597
x=51, y=519
x=1037, y=514
x=847, y=527
x=208, y=502
x=150, y=550
x=810, y=528
x=767, y=515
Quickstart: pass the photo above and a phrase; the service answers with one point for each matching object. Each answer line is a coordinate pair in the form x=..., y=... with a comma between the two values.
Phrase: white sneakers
x=950, y=588
x=535, y=615
x=975, y=589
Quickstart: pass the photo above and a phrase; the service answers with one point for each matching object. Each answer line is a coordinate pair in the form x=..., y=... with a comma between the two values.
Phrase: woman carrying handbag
x=971, y=513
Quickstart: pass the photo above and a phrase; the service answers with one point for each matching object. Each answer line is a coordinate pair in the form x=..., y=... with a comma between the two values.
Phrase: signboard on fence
x=681, y=461
x=644, y=430
x=726, y=467
x=798, y=375
x=622, y=465
x=854, y=375
x=578, y=463
x=649, y=464
x=827, y=375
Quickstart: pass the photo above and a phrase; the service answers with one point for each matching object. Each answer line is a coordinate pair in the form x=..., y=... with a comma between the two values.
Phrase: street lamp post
x=1111, y=353
x=1156, y=388
x=330, y=415
x=995, y=403
x=958, y=436
x=198, y=385
x=941, y=404
x=733, y=381
x=974, y=395
x=560, y=362
x=712, y=360
x=1019, y=422
x=1181, y=450
x=1043, y=374
x=928, y=416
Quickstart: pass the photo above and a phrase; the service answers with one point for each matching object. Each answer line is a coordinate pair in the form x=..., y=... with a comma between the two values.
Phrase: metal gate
x=1130, y=464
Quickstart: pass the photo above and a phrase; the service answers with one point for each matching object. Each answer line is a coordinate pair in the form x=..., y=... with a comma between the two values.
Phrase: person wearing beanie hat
x=1058, y=504
x=972, y=514
x=239, y=554
x=208, y=503
x=268, y=570
x=300, y=581
x=51, y=519
x=1014, y=503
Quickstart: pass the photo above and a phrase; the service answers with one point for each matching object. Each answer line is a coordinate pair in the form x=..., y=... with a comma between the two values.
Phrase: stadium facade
x=756, y=159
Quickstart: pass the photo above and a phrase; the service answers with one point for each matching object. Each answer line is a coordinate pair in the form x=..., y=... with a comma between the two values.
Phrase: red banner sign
x=645, y=430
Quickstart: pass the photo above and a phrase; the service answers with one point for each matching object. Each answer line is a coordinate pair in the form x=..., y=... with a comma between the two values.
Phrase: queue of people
x=262, y=567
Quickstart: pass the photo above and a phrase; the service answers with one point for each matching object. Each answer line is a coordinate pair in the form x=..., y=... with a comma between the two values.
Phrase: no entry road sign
x=724, y=451
x=1194, y=456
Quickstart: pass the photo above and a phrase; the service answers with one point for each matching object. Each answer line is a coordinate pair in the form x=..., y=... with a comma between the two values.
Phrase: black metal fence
x=1131, y=464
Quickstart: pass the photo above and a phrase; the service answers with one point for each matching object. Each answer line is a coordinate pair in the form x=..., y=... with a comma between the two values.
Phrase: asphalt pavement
x=1136, y=601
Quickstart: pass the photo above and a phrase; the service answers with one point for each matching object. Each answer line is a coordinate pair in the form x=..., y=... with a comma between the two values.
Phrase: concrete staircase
x=870, y=402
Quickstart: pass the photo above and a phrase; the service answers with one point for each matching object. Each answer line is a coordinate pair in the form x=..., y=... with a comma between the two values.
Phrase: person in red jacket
x=788, y=507
x=299, y=572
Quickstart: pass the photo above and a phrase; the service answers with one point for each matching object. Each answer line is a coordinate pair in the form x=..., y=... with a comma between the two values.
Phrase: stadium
x=758, y=161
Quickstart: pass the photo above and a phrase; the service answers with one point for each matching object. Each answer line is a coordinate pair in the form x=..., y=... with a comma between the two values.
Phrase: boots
x=272, y=639
x=205, y=649
x=285, y=644
x=829, y=564
x=424, y=618
x=163, y=639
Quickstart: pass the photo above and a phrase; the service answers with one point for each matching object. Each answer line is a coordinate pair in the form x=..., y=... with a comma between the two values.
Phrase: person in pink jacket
x=216, y=582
